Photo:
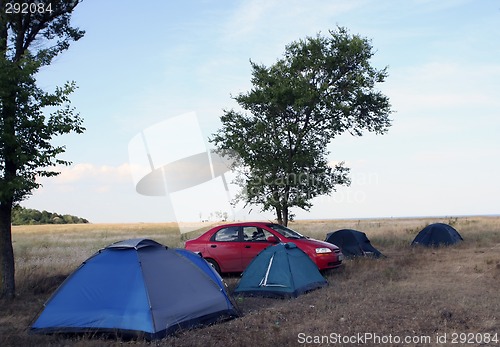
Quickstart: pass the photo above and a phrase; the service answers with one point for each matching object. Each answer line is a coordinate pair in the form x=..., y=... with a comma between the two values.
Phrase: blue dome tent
x=136, y=287
x=437, y=234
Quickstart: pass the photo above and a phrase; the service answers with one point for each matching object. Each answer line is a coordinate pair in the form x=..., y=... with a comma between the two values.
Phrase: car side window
x=229, y=234
x=255, y=234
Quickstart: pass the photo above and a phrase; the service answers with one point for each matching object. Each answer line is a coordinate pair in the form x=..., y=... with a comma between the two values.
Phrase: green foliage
x=26, y=151
x=322, y=87
x=28, y=216
x=29, y=116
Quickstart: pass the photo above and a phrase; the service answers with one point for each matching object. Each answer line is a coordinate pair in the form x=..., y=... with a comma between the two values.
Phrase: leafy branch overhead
x=29, y=42
x=322, y=87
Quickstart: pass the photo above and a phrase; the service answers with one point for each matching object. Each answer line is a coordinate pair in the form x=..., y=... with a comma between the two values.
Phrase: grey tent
x=136, y=287
x=353, y=243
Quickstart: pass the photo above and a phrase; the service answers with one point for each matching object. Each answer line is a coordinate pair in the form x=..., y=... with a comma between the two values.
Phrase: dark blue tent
x=282, y=270
x=353, y=243
x=437, y=234
x=139, y=288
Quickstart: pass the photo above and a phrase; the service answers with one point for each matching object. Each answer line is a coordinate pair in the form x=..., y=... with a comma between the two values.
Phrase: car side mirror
x=273, y=239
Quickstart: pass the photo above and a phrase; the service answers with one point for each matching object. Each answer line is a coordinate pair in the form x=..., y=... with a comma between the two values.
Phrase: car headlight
x=323, y=250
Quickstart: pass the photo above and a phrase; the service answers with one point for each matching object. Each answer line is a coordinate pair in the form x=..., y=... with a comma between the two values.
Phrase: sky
x=153, y=80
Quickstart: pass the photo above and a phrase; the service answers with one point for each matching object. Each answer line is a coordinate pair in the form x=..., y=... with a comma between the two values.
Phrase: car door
x=225, y=248
x=254, y=241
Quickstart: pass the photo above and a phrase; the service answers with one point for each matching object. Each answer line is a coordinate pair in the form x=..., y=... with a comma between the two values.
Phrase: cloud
x=261, y=19
x=85, y=172
x=248, y=16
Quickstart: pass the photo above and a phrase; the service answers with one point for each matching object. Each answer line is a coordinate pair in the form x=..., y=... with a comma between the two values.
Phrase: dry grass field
x=414, y=297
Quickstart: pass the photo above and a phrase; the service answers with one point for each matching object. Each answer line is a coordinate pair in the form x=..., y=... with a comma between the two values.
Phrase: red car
x=231, y=247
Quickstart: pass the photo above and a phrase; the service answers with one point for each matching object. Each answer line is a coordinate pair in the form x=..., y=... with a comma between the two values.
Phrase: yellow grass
x=413, y=292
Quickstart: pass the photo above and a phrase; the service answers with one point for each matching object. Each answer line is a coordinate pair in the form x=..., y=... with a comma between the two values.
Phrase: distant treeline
x=28, y=216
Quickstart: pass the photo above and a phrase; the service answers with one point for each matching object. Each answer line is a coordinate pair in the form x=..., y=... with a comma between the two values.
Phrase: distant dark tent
x=282, y=270
x=139, y=288
x=437, y=234
x=353, y=243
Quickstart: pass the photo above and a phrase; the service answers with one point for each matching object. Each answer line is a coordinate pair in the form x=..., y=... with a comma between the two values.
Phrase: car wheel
x=214, y=264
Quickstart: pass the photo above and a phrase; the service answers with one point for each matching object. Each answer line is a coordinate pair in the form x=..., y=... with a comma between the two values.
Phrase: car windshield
x=286, y=232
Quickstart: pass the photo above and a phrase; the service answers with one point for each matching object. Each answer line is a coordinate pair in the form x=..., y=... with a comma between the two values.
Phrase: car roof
x=247, y=224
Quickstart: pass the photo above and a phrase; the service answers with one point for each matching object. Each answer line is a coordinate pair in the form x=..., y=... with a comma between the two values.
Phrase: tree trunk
x=284, y=205
x=279, y=216
x=285, y=216
x=7, y=279
x=9, y=148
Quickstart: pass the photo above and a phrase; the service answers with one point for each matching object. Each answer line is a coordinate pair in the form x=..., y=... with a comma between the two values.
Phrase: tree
x=29, y=40
x=323, y=86
x=23, y=216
